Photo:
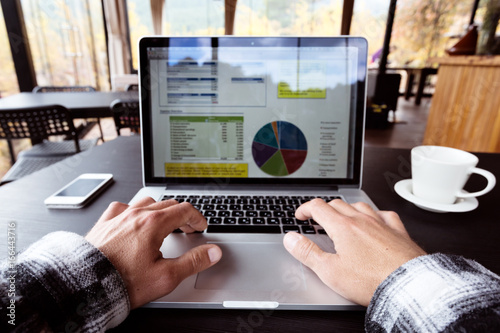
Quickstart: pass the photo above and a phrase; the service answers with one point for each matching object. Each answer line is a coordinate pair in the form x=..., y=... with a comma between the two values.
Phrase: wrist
x=425, y=290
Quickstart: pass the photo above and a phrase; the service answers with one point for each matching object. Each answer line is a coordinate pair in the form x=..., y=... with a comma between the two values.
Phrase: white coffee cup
x=440, y=173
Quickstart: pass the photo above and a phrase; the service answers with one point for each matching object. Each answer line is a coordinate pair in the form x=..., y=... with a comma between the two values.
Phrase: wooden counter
x=465, y=109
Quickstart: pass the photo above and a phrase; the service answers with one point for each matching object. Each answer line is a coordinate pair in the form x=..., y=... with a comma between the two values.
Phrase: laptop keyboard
x=252, y=214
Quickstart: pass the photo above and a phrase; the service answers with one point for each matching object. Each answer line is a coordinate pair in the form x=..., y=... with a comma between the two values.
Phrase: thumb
x=195, y=260
x=304, y=250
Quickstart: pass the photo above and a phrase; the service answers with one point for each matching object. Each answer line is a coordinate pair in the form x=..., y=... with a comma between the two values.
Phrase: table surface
x=472, y=234
x=81, y=104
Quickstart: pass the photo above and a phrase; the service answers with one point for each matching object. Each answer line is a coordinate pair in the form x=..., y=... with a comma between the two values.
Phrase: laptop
x=246, y=129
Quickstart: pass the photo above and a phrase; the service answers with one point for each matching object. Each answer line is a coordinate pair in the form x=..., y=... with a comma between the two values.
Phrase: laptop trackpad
x=253, y=266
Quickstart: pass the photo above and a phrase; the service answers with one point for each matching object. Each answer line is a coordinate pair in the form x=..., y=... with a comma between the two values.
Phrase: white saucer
x=404, y=189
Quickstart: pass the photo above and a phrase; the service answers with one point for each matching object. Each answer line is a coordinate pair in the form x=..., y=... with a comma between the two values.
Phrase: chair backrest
x=37, y=124
x=132, y=87
x=126, y=114
x=44, y=89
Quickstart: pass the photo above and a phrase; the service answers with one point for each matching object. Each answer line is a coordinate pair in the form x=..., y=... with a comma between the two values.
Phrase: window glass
x=8, y=79
x=293, y=17
x=480, y=13
x=424, y=29
x=369, y=20
x=140, y=24
x=8, y=86
x=179, y=18
x=67, y=41
x=252, y=17
x=193, y=17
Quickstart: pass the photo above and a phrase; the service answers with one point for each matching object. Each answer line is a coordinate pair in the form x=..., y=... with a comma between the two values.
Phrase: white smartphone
x=80, y=191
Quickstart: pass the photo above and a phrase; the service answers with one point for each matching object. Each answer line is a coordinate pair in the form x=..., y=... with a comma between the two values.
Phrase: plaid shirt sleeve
x=61, y=283
x=436, y=293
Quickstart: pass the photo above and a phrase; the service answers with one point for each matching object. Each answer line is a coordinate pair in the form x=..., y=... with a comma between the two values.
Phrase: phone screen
x=80, y=188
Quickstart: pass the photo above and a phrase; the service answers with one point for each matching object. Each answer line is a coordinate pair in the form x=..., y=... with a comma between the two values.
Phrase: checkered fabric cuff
x=436, y=293
x=64, y=283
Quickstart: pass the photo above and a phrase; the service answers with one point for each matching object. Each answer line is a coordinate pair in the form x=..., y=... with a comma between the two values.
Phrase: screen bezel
x=357, y=96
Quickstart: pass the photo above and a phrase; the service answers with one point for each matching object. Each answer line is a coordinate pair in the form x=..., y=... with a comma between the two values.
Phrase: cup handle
x=491, y=183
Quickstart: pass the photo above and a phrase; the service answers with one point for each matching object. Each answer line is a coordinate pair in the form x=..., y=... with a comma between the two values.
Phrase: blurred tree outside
x=313, y=19
x=8, y=79
x=139, y=27
x=291, y=18
x=253, y=18
x=180, y=18
x=423, y=29
x=67, y=41
x=369, y=20
x=8, y=86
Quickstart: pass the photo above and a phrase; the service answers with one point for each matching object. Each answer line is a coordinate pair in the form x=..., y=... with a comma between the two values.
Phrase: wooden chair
x=38, y=124
x=126, y=115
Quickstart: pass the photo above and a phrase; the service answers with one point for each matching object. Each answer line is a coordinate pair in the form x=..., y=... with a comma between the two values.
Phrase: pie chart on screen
x=279, y=148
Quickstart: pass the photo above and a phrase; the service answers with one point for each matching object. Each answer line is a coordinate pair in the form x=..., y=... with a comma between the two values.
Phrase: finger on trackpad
x=253, y=266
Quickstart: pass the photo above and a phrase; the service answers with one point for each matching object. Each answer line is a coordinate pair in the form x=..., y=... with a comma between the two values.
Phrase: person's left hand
x=131, y=237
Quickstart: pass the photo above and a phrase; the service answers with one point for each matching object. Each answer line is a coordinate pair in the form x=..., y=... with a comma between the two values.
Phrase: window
x=8, y=86
x=481, y=11
x=179, y=18
x=67, y=41
x=369, y=21
x=422, y=28
x=425, y=28
x=293, y=17
x=252, y=17
x=8, y=82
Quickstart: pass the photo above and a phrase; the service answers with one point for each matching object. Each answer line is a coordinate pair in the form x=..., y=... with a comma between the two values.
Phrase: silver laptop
x=247, y=129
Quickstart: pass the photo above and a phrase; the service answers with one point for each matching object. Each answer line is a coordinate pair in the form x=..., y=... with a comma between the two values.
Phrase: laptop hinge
x=253, y=187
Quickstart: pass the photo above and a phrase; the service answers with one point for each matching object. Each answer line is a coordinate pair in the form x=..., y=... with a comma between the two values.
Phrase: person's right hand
x=370, y=245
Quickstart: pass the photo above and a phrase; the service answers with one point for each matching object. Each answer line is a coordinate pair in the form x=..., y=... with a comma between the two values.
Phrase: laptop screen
x=252, y=109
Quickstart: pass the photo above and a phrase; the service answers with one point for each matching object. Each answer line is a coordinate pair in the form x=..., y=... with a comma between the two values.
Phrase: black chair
x=132, y=87
x=126, y=115
x=382, y=97
x=38, y=124
x=45, y=89
x=48, y=89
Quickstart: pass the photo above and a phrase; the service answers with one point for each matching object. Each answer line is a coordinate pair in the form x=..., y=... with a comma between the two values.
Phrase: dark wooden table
x=81, y=104
x=472, y=234
x=419, y=73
